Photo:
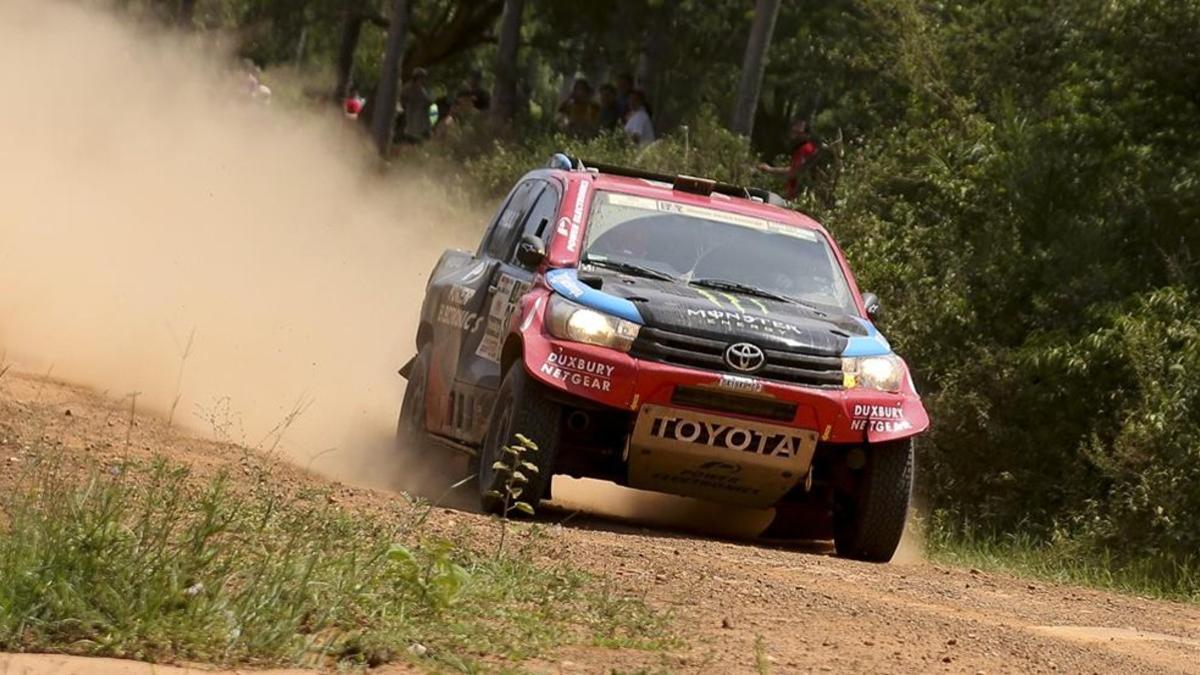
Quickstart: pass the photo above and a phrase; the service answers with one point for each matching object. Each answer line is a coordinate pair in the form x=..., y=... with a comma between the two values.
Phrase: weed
x=1064, y=561
x=513, y=467
x=760, y=656
x=150, y=564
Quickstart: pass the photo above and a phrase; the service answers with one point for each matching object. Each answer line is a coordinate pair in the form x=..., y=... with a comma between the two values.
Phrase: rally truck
x=674, y=334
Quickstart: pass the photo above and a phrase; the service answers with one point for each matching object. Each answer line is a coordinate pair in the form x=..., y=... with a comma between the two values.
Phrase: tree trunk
x=351, y=30
x=504, y=92
x=753, y=65
x=187, y=11
x=384, y=122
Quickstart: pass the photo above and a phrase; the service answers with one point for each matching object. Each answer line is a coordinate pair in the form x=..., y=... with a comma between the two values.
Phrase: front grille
x=794, y=366
x=738, y=404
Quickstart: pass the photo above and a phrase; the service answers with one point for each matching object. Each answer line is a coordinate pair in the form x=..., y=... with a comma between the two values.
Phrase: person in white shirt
x=637, y=120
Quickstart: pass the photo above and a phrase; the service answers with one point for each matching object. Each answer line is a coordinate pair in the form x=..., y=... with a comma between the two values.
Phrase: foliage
x=1032, y=231
x=146, y=564
x=1020, y=183
x=513, y=468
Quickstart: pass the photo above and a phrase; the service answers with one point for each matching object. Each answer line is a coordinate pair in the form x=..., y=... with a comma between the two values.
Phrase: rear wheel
x=868, y=524
x=521, y=408
x=427, y=468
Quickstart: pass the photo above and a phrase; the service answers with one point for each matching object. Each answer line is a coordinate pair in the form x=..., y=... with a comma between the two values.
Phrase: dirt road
x=737, y=605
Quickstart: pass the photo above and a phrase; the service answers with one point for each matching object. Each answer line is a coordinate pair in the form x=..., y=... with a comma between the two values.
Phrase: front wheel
x=521, y=408
x=868, y=524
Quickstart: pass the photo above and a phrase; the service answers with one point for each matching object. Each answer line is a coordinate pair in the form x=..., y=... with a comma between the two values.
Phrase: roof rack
x=681, y=183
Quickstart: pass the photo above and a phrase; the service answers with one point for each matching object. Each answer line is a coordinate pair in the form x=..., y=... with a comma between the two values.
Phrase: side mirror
x=531, y=251
x=874, y=309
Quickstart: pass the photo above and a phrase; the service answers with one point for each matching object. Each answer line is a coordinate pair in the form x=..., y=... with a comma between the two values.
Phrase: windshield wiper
x=747, y=289
x=629, y=268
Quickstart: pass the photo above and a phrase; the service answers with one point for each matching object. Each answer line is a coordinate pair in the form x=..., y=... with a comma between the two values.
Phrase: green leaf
x=501, y=467
x=530, y=467
x=519, y=477
x=523, y=508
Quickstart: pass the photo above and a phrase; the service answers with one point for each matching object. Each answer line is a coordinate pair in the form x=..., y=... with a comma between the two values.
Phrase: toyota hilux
x=674, y=334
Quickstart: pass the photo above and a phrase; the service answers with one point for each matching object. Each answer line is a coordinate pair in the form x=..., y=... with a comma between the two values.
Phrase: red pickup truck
x=674, y=334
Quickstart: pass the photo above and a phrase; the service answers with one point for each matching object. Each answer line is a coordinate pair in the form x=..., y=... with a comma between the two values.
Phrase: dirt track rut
x=739, y=605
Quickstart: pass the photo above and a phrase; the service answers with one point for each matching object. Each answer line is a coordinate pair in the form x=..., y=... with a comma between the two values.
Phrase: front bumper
x=610, y=378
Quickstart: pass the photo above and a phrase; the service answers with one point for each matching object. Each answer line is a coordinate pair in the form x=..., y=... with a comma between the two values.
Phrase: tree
x=356, y=13
x=187, y=10
x=753, y=65
x=504, y=95
x=384, y=121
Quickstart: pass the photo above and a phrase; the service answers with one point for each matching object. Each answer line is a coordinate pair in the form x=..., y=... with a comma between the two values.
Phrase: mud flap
x=406, y=370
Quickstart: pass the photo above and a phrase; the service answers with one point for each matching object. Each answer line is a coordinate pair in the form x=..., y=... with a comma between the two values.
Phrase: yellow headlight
x=873, y=372
x=569, y=321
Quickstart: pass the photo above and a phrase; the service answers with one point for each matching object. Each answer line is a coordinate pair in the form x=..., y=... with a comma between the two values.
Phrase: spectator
x=480, y=98
x=610, y=112
x=624, y=89
x=353, y=104
x=804, y=150
x=460, y=112
x=637, y=120
x=415, y=100
x=579, y=115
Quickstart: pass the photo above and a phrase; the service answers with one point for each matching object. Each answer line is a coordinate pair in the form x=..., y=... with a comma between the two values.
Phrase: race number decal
x=509, y=290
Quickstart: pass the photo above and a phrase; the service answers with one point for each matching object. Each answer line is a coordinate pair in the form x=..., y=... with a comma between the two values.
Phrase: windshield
x=705, y=246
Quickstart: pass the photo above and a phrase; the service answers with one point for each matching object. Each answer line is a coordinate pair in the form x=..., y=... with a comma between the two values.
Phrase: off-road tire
x=868, y=524
x=419, y=455
x=521, y=408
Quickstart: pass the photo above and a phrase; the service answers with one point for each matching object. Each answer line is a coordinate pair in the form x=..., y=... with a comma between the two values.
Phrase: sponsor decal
x=578, y=371
x=453, y=312
x=731, y=319
x=716, y=215
x=460, y=295
x=740, y=383
x=571, y=286
x=726, y=436
x=576, y=217
x=713, y=480
x=458, y=318
x=886, y=418
x=715, y=465
x=509, y=290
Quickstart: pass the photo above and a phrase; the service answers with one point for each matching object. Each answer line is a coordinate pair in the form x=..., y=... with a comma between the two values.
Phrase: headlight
x=873, y=372
x=569, y=321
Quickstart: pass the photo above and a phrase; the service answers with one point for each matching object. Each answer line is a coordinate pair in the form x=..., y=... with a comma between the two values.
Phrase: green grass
x=148, y=563
x=1066, y=561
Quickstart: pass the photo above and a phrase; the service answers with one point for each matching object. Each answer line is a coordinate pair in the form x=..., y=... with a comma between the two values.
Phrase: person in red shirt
x=804, y=149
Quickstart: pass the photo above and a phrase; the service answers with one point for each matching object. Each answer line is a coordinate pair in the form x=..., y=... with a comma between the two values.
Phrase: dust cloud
x=146, y=203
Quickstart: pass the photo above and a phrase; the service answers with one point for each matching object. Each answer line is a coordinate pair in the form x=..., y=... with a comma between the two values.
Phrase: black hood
x=679, y=308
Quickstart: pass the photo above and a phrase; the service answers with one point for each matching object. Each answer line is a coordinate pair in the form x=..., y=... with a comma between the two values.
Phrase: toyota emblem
x=745, y=357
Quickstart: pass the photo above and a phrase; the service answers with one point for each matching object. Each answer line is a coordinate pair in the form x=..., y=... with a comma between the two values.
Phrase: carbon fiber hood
x=703, y=312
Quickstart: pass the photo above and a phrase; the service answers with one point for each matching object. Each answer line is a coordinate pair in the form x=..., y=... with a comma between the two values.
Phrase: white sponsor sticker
x=717, y=215
x=504, y=302
x=726, y=436
x=458, y=318
x=740, y=383
x=880, y=418
x=577, y=217
x=578, y=371
x=571, y=286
